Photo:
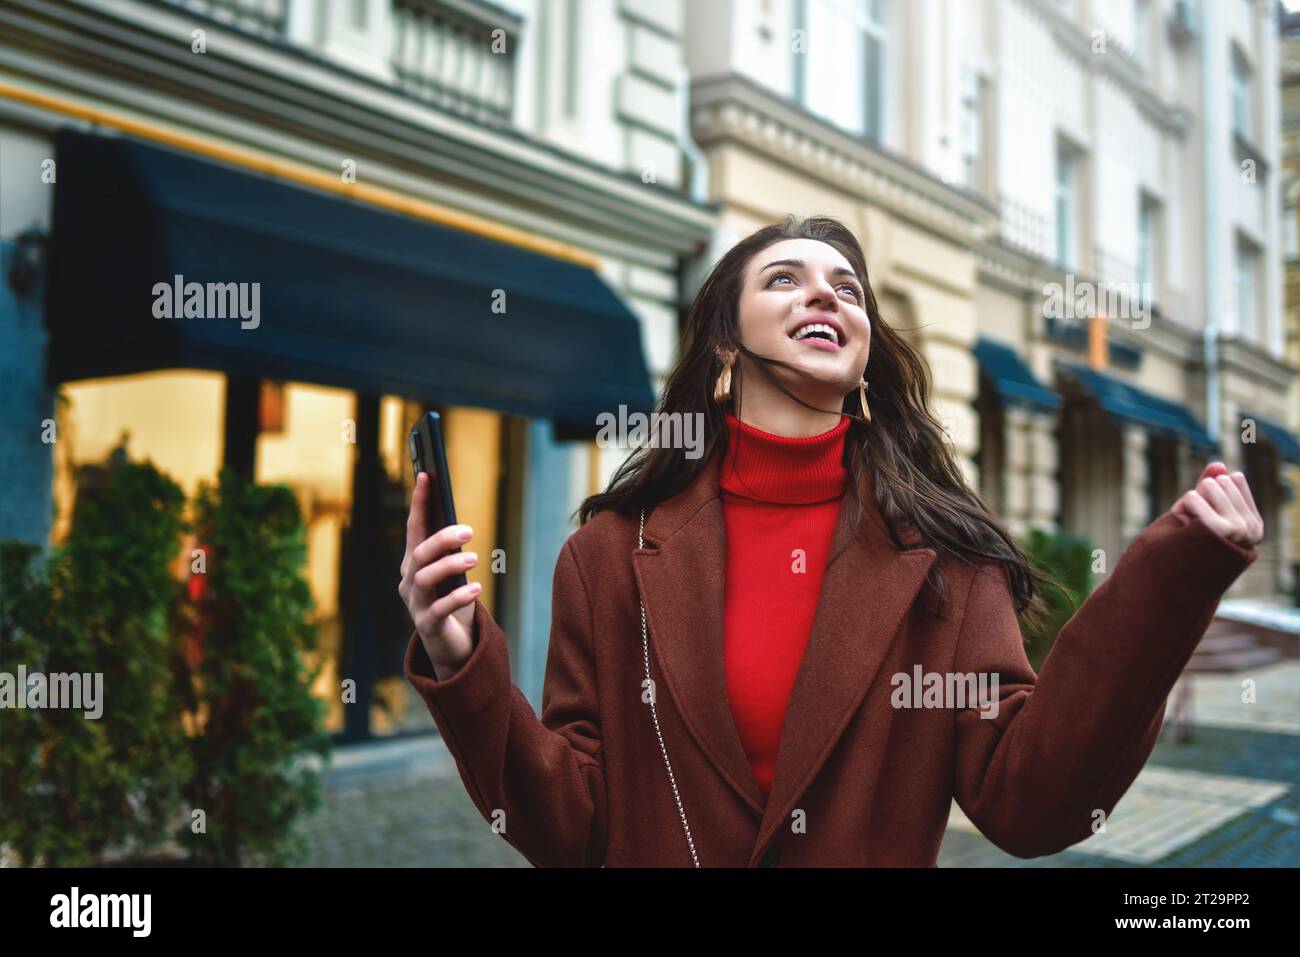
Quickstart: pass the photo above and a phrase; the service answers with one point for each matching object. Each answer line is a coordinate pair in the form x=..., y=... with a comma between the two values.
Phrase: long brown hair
x=915, y=475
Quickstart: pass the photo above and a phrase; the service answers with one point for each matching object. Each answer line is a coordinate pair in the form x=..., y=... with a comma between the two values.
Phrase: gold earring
x=862, y=398
x=722, y=387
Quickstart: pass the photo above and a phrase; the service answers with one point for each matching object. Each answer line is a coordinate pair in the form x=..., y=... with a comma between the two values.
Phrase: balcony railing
x=1111, y=268
x=255, y=16
x=1024, y=228
x=446, y=51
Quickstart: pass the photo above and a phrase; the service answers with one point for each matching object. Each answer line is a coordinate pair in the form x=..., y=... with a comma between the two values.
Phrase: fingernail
x=470, y=558
x=464, y=532
x=475, y=588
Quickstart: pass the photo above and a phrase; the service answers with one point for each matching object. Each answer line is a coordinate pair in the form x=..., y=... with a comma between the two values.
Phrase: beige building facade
x=1073, y=209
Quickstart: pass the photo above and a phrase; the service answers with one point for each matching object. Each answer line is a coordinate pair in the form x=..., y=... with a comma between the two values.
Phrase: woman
x=827, y=607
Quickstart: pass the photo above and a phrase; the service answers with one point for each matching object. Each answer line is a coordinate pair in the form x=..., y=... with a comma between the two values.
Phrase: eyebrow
x=799, y=264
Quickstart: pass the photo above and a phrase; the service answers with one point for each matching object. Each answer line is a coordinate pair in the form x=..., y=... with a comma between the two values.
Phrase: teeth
x=803, y=331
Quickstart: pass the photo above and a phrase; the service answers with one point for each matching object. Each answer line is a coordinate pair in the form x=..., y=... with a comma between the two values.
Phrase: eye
x=853, y=289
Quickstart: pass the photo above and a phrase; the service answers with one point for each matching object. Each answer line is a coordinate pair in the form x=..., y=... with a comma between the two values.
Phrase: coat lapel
x=867, y=587
x=681, y=575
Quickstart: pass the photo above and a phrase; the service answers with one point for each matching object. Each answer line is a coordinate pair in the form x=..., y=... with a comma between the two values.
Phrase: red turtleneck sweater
x=780, y=500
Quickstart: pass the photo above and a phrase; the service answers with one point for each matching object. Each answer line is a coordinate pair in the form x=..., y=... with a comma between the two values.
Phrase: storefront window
x=308, y=439
x=172, y=418
x=312, y=454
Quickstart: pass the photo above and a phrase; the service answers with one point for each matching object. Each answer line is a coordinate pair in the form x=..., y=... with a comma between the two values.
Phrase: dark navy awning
x=348, y=294
x=1128, y=403
x=1286, y=444
x=1011, y=378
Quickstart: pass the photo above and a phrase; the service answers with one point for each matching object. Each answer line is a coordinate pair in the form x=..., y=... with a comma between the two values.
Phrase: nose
x=821, y=291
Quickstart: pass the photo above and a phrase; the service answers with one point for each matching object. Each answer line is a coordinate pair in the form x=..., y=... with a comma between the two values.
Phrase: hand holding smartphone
x=429, y=455
x=434, y=586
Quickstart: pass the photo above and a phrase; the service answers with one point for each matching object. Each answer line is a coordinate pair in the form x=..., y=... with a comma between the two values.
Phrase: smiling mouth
x=820, y=334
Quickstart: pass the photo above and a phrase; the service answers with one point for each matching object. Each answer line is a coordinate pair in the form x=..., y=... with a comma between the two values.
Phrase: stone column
x=1043, y=487
x=1032, y=493
x=1135, y=507
x=1018, y=471
x=1285, y=533
x=1189, y=466
x=946, y=335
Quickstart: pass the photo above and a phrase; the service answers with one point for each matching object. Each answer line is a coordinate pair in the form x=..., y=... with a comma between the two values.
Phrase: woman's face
x=805, y=284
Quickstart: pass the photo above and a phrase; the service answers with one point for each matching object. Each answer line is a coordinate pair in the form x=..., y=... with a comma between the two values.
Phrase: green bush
x=226, y=731
x=252, y=692
x=105, y=602
x=1067, y=560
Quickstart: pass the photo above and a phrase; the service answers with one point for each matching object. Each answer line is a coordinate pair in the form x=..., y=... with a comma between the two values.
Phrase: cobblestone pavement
x=402, y=804
x=1230, y=797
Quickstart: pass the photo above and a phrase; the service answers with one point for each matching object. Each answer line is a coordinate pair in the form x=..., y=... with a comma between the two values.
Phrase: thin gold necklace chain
x=645, y=653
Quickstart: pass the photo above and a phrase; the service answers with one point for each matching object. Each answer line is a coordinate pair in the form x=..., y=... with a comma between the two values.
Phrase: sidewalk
x=401, y=804
x=1229, y=798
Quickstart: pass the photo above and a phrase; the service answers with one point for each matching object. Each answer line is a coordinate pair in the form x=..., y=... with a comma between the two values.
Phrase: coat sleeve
x=1064, y=745
x=543, y=780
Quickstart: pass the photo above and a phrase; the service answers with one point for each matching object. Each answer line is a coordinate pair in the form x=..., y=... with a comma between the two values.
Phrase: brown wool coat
x=858, y=780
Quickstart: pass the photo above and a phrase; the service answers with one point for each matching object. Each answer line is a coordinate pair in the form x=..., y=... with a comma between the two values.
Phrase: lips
x=819, y=330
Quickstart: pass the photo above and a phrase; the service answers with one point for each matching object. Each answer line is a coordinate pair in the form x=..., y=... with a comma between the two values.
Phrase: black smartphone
x=430, y=456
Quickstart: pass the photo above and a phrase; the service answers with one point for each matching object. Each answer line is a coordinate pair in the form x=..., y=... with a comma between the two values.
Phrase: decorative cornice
x=247, y=89
x=1009, y=268
x=733, y=108
x=1255, y=364
x=1116, y=65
